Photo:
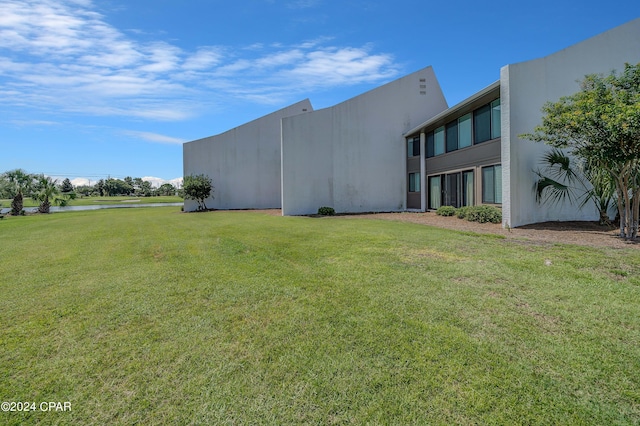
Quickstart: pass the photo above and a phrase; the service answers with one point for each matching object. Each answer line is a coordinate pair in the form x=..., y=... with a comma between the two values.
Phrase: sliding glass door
x=452, y=189
x=467, y=188
x=435, y=192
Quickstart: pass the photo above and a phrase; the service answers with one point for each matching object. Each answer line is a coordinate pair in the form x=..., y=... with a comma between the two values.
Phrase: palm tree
x=20, y=181
x=566, y=178
x=47, y=191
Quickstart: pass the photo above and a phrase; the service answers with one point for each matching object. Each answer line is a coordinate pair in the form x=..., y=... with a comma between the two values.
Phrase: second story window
x=413, y=147
x=481, y=125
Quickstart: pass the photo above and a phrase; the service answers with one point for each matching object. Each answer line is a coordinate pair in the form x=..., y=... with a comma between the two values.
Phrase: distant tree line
x=128, y=186
x=18, y=184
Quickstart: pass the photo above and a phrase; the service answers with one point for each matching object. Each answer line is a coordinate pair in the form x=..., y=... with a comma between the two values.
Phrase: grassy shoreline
x=89, y=201
x=158, y=317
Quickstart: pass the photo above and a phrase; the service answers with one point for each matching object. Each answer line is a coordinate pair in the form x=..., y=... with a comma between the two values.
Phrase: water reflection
x=54, y=209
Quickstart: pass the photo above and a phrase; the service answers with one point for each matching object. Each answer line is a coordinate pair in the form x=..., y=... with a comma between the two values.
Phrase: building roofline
x=280, y=111
x=490, y=88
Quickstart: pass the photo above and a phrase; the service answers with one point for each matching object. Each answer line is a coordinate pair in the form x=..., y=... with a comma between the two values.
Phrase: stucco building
x=400, y=147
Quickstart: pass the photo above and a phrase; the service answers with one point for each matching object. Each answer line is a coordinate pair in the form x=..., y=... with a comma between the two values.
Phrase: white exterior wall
x=525, y=87
x=352, y=156
x=244, y=162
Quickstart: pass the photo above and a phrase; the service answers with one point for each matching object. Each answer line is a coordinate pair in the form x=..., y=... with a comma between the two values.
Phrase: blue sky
x=92, y=88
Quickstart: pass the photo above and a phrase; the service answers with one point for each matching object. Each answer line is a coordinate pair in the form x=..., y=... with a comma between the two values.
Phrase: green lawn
x=152, y=316
x=90, y=201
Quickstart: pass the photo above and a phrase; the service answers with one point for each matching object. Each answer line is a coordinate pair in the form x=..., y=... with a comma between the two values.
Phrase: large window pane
x=438, y=143
x=482, y=124
x=452, y=190
x=414, y=182
x=467, y=188
x=488, y=185
x=497, y=176
x=495, y=119
x=492, y=184
x=464, y=131
x=430, y=147
x=452, y=136
x=413, y=147
x=435, y=192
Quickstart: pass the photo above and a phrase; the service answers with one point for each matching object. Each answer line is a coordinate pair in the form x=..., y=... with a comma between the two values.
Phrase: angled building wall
x=525, y=87
x=352, y=156
x=244, y=162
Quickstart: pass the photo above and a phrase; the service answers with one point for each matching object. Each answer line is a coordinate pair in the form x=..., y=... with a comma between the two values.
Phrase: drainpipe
x=423, y=173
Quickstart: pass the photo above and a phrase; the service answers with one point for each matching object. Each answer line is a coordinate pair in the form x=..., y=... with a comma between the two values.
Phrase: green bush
x=326, y=211
x=484, y=214
x=446, y=211
x=462, y=212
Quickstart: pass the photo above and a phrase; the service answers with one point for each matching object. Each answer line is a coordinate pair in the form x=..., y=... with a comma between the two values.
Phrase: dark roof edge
x=458, y=106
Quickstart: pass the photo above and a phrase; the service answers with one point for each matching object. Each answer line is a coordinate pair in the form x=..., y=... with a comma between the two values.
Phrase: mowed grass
x=152, y=316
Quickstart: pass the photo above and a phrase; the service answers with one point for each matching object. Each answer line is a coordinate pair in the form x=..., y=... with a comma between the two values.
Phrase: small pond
x=55, y=209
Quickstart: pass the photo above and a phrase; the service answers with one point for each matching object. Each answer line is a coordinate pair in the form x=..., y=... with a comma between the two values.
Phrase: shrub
x=199, y=188
x=446, y=211
x=326, y=211
x=484, y=214
x=462, y=212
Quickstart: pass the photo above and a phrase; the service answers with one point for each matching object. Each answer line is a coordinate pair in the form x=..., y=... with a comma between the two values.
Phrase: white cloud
x=303, y=4
x=81, y=181
x=155, y=137
x=65, y=56
x=203, y=59
x=28, y=123
x=157, y=182
x=343, y=66
x=280, y=59
x=161, y=58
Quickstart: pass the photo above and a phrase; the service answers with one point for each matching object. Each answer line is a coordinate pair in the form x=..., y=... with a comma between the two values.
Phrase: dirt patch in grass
x=577, y=232
x=582, y=233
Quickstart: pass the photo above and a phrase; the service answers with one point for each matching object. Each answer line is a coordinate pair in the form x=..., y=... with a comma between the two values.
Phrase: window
x=482, y=124
x=495, y=119
x=413, y=147
x=438, y=141
x=414, y=182
x=452, y=136
x=430, y=147
x=492, y=184
x=435, y=192
x=452, y=190
x=467, y=188
x=464, y=131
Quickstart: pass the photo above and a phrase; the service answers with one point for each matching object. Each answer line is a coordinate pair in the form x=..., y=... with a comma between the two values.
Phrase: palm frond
x=559, y=165
x=550, y=190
